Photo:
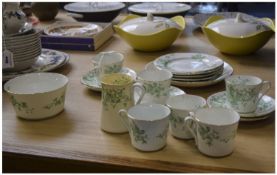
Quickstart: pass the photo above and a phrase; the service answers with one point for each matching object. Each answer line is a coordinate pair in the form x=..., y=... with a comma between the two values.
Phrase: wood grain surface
x=74, y=136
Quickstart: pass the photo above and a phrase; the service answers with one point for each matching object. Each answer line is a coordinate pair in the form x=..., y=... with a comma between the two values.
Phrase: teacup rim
x=227, y=80
x=147, y=104
x=182, y=109
x=213, y=124
x=117, y=85
x=121, y=58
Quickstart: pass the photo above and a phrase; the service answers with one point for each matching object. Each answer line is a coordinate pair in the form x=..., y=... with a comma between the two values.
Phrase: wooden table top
x=75, y=133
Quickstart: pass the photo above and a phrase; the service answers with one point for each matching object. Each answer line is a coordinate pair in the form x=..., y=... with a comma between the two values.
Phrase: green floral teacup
x=117, y=93
x=244, y=92
x=181, y=106
x=156, y=84
x=214, y=130
x=108, y=62
x=147, y=125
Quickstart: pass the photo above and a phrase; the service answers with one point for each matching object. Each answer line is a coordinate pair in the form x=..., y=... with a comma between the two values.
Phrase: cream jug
x=117, y=93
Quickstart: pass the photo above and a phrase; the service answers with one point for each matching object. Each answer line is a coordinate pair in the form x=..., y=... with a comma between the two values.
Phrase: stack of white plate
x=25, y=49
x=193, y=69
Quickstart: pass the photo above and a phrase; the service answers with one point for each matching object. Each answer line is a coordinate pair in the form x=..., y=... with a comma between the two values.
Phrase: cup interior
x=217, y=116
x=186, y=102
x=149, y=112
x=243, y=80
x=116, y=79
x=36, y=83
x=106, y=58
x=155, y=75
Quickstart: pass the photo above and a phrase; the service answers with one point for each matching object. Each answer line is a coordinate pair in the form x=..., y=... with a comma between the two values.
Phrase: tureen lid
x=148, y=25
x=239, y=26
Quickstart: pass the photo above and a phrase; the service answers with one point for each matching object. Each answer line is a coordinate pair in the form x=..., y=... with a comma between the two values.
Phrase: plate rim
x=131, y=9
x=68, y=8
x=189, y=53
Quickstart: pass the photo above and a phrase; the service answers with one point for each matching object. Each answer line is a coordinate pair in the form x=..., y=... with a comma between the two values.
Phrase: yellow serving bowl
x=152, y=42
x=236, y=45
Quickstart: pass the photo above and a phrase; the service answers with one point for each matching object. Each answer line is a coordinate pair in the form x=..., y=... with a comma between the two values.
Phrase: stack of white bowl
x=25, y=49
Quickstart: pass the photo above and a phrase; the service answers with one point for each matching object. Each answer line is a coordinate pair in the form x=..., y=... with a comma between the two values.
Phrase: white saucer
x=265, y=106
x=92, y=82
x=228, y=70
x=173, y=91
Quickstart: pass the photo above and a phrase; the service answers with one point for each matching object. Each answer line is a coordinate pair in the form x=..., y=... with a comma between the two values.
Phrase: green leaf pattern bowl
x=37, y=95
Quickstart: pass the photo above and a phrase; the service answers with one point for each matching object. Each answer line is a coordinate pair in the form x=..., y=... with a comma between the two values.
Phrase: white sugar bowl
x=37, y=95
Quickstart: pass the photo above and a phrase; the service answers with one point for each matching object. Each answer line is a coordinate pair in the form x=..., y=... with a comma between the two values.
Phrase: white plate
x=188, y=63
x=173, y=91
x=73, y=29
x=157, y=8
x=47, y=61
x=90, y=7
x=228, y=70
x=265, y=106
x=201, y=18
x=92, y=82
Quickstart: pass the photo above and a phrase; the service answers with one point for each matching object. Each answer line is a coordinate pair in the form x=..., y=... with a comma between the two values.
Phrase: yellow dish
x=238, y=45
x=154, y=41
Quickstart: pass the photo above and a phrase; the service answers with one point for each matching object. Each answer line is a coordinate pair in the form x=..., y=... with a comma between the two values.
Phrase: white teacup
x=156, y=84
x=147, y=125
x=214, y=130
x=181, y=106
x=108, y=62
x=244, y=92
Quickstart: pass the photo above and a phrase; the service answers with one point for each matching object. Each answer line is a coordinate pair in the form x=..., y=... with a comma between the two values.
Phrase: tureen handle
x=150, y=17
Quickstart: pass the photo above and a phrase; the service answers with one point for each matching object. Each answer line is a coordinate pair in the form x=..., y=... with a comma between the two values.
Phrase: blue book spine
x=69, y=40
x=60, y=46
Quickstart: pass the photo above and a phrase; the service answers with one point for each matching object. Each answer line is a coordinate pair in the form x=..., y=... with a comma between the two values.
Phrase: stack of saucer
x=193, y=69
x=25, y=49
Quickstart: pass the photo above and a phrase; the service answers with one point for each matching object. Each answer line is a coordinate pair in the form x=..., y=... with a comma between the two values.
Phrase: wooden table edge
x=117, y=162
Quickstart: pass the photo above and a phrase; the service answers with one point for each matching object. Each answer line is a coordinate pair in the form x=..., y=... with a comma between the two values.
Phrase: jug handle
x=142, y=88
x=123, y=115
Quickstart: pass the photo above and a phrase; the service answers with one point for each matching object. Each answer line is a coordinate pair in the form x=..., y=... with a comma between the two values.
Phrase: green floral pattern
x=155, y=89
x=209, y=135
x=139, y=134
x=55, y=102
x=112, y=69
x=175, y=120
x=91, y=78
x=114, y=97
x=163, y=134
x=198, y=57
x=241, y=97
x=21, y=106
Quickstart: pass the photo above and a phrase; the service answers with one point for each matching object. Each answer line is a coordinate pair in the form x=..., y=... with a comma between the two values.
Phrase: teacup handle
x=189, y=122
x=123, y=115
x=266, y=85
x=141, y=87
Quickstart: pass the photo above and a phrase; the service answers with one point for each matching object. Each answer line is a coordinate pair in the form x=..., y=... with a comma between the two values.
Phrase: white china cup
x=181, y=106
x=108, y=62
x=214, y=130
x=156, y=84
x=245, y=91
x=148, y=125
